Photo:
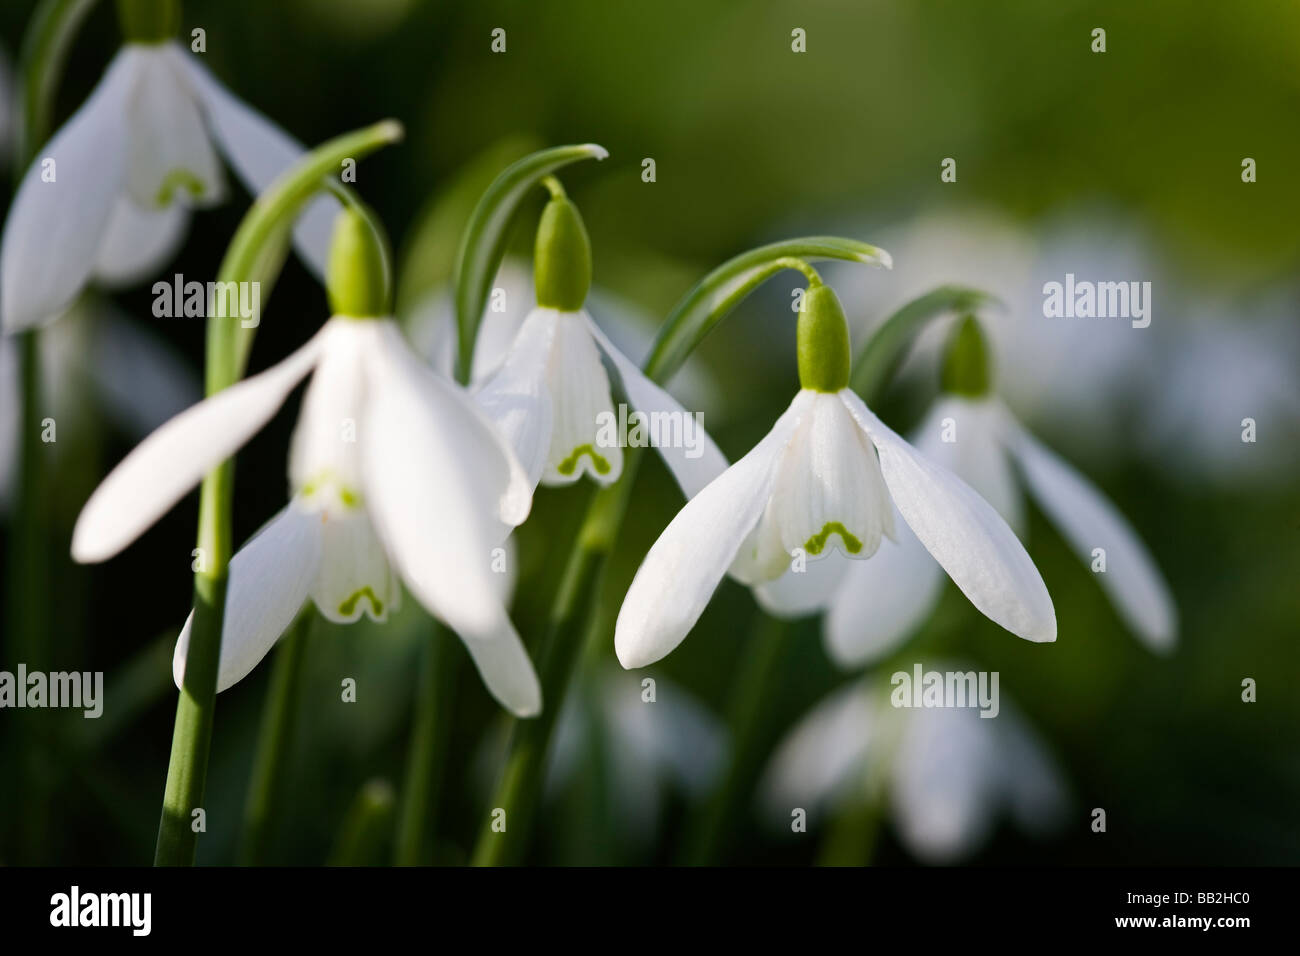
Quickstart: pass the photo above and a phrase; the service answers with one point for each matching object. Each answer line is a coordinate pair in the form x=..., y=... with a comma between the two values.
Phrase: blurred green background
x=751, y=142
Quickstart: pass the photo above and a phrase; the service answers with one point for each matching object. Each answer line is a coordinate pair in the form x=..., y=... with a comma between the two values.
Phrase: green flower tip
x=966, y=369
x=562, y=257
x=359, y=280
x=149, y=21
x=823, y=341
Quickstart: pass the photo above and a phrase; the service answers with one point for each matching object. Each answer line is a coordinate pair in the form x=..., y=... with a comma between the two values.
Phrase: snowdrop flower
x=109, y=197
x=822, y=480
x=873, y=606
x=551, y=393
x=431, y=326
x=944, y=774
x=394, y=473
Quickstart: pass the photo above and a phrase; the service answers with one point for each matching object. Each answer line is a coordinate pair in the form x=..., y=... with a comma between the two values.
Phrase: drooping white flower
x=394, y=473
x=945, y=774
x=822, y=481
x=109, y=197
x=872, y=606
x=551, y=393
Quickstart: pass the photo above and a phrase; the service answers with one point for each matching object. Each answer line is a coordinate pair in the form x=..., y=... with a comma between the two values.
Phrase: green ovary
x=350, y=605
x=817, y=542
x=567, y=466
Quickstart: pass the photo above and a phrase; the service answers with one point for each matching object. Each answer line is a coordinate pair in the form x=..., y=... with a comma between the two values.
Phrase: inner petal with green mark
x=817, y=543
x=570, y=463
x=180, y=179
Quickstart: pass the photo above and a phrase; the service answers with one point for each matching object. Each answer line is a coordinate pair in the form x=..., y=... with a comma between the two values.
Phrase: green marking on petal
x=183, y=179
x=350, y=498
x=350, y=605
x=817, y=542
x=567, y=466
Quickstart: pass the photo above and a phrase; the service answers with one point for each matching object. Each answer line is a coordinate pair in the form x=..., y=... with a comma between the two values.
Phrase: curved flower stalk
x=109, y=197
x=945, y=775
x=822, y=481
x=393, y=472
x=98, y=354
x=551, y=393
x=873, y=606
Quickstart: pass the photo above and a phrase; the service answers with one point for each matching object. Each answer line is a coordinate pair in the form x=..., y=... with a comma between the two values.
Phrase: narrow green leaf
x=722, y=290
x=484, y=245
x=879, y=359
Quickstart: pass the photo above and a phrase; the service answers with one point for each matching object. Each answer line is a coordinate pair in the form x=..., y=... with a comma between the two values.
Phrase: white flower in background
x=644, y=750
x=944, y=775
x=109, y=197
x=872, y=606
x=1214, y=375
x=1078, y=375
x=551, y=393
x=95, y=357
x=823, y=480
x=394, y=473
x=431, y=327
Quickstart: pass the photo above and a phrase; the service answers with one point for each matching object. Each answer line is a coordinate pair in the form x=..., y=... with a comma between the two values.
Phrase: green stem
x=255, y=254
x=522, y=777
x=427, y=751
x=710, y=836
x=266, y=786
x=366, y=827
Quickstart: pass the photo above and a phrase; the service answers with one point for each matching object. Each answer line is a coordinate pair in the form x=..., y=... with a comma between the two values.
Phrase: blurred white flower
x=944, y=775
x=872, y=606
x=647, y=748
x=822, y=480
x=109, y=197
x=390, y=464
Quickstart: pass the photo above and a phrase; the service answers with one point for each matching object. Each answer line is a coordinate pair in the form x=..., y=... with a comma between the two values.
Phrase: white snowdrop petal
x=259, y=151
x=324, y=453
x=54, y=229
x=881, y=602
x=977, y=452
x=172, y=460
x=269, y=578
x=507, y=672
x=354, y=577
x=580, y=406
x=172, y=158
x=139, y=241
x=810, y=591
x=963, y=533
x=690, y=454
x=517, y=397
x=435, y=473
x=683, y=568
x=1088, y=520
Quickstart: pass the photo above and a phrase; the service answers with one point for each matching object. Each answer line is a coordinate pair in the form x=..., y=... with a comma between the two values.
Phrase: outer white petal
x=506, y=670
x=435, y=475
x=172, y=460
x=963, y=532
x=694, y=460
x=1088, y=520
x=683, y=568
x=582, y=439
x=517, y=397
x=139, y=241
x=53, y=234
x=172, y=159
x=882, y=601
x=978, y=454
x=798, y=594
x=259, y=151
x=268, y=584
